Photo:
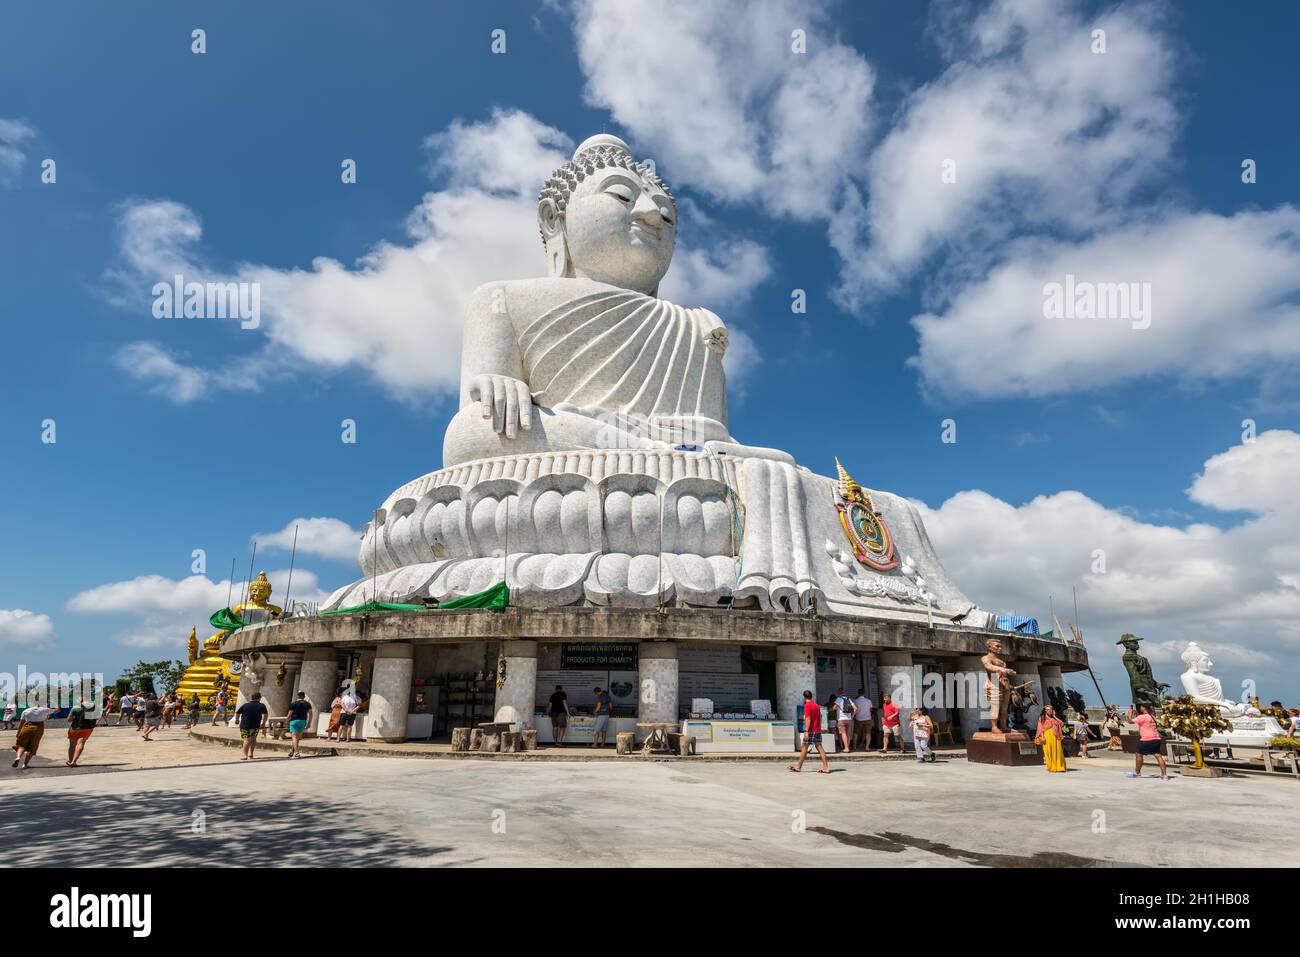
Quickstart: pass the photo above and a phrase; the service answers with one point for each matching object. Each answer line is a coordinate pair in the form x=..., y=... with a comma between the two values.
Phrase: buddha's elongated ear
x=551, y=222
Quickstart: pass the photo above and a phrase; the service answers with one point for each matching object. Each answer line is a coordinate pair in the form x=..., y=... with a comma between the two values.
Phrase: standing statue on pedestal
x=1142, y=683
x=997, y=685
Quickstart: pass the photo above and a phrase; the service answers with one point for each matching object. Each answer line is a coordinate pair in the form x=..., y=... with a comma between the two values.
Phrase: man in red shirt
x=890, y=726
x=812, y=734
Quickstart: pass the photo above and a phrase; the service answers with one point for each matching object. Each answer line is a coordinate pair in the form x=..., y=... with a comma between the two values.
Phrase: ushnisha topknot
x=602, y=151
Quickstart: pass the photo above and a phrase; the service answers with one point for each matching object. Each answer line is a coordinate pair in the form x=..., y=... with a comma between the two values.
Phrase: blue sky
x=794, y=172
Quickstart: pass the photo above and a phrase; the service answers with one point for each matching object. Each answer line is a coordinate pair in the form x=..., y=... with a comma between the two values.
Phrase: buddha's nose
x=647, y=211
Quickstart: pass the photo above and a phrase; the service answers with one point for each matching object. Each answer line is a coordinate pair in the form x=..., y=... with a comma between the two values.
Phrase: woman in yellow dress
x=1050, y=734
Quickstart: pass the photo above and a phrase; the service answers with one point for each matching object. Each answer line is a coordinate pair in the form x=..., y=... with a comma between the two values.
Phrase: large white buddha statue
x=1203, y=686
x=590, y=461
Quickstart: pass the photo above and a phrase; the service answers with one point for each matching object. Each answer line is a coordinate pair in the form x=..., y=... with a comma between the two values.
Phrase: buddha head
x=260, y=590
x=606, y=217
x=1196, y=659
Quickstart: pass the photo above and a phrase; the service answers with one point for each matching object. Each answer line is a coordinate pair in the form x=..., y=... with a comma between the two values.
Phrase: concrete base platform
x=421, y=749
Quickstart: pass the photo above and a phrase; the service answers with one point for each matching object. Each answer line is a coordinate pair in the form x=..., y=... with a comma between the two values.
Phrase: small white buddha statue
x=1203, y=686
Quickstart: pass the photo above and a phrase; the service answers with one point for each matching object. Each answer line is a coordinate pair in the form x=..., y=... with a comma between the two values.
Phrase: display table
x=740, y=736
x=582, y=729
x=418, y=726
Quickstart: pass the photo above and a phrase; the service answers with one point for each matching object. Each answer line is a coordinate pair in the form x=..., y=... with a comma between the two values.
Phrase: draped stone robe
x=637, y=363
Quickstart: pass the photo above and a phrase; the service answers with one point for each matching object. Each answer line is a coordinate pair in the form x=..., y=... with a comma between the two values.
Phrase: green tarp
x=226, y=620
x=494, y=599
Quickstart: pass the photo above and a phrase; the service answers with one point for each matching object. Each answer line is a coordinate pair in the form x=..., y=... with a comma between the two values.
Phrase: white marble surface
x=591, y=459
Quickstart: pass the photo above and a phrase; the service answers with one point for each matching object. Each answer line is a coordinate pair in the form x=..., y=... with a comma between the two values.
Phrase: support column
x=276, y=696
x=897, y=679
x=1050, y=677
x=658, y=687
x=796, y=672
x=1025, y=671
x=390, y=691
x=972, y=705
x=319, y=678
x=517, y=698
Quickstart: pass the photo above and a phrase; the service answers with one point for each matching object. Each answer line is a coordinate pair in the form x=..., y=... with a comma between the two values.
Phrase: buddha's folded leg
x=470, y=436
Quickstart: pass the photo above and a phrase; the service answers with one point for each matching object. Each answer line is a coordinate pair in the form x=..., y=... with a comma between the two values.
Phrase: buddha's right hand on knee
x=504, y=400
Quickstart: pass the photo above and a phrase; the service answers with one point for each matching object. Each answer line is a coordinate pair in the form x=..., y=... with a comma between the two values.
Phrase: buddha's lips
x=641, y=230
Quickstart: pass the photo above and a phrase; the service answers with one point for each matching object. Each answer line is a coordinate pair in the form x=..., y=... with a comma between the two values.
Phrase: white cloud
x=326, y=537
x=165, y=609
x=1258, y=476
x=1043, y=133
x=21, y=627
x=1224, y=303
x=14, y=135
x=1234, y=590
x=723, y=103
x=397, y=313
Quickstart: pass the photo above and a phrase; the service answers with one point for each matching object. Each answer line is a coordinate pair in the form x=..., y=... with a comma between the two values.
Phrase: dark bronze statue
x=1146, y=690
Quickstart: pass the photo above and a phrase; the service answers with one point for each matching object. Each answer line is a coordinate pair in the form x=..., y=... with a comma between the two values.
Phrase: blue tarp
x=1021, y=623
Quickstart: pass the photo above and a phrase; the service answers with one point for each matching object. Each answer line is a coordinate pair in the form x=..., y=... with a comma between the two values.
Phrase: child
x=1081, y=732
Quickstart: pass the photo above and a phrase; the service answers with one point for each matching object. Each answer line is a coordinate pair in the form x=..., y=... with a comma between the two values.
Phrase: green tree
x=156, y=676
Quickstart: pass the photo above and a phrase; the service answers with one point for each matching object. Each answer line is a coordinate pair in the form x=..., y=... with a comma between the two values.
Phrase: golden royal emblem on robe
x=865, y=528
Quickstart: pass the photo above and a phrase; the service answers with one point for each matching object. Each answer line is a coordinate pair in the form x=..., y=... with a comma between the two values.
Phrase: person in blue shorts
x=300, y=710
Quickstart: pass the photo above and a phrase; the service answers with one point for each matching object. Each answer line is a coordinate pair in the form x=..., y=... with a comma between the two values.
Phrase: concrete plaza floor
x=139, y=803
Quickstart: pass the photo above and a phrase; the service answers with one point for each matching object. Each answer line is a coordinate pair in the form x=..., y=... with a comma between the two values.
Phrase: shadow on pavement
x=166, y=827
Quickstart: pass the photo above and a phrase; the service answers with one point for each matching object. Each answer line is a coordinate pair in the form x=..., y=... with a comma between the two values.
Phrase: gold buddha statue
x=209, y=670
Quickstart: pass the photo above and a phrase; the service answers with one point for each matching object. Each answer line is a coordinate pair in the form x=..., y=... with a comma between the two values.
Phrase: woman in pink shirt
x=1149, y=742
x=1051, y=733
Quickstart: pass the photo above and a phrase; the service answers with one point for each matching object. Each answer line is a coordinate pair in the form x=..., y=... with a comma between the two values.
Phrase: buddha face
x=620, y=229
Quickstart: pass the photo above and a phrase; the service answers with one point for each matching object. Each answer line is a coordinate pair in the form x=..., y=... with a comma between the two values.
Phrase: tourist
x=141, y=703
x=601, y=713
x=1149, y=743
x=168, y=709
x=336, y=713
x=300, y=710
x=862, y=722
x=252, y=715
x=220, y=706
x=1295, y=721
x=31, y=728
x=80, y=728
x=9, y=715
x=126, y=707
x=151, y=716
x=559, y=712
x=108, y=703
x=890, y=725
x=1049, y=736
x=194, y=711
x=844, y=710
x=348, y=716
x=1111, y=726
x=812, y=735
x=922, y=727
x=1081, y=732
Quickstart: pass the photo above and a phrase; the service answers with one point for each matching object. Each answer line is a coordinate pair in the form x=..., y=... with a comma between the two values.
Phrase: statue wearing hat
x=1146, y=690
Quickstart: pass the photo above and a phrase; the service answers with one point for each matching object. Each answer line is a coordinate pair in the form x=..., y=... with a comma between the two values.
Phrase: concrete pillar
x=276, y=696
x=1026, y=671
x=796, y=672
x=658, y=691
x=1050, y=677
x=517, y=698
x=898, y=680
x=319, y=678
x=390, y=691
x=972, y=706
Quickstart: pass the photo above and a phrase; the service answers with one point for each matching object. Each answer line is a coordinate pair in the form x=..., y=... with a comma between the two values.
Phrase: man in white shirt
x=348, y=716
x=126, y=708
x=862, y=723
